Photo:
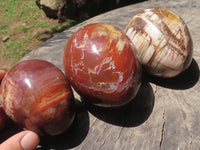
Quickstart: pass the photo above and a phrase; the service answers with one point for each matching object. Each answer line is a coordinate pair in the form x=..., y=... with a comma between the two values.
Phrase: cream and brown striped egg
x=162, y=40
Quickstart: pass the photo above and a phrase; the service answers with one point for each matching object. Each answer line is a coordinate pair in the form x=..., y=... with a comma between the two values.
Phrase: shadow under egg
x=132, y=114
x=185, y=80
x=10, y=129
x=72, y=137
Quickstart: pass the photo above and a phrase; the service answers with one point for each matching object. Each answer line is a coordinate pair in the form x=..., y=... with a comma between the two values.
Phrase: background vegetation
x=23, y=27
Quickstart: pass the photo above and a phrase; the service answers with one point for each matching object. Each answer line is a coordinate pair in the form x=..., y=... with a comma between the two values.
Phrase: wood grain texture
x=165, y=113
x=162, y=41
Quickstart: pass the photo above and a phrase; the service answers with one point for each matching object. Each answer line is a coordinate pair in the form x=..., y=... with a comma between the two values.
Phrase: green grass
x=9, y=7
x=29, y=18
x=15, y=48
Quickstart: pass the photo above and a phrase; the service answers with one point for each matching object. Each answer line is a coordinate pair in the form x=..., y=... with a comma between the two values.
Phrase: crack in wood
x=93, y=123
x=100, y=147
x=120, y=133
x=104, y=133
x=163, y=130
x=156, y=90
x=191, y=142
x=130, y=138
x=189, y=21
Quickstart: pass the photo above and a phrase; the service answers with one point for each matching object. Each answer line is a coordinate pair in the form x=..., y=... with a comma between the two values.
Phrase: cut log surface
x=165, y=113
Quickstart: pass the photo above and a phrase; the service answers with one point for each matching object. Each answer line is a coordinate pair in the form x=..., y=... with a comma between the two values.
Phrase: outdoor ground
x=23, y=27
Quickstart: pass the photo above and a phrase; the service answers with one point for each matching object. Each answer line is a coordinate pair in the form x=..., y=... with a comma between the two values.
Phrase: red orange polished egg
x=101, y=65
x=37, y=96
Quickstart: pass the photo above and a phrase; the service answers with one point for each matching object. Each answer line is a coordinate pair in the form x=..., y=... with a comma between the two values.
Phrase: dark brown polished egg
x=37, y=96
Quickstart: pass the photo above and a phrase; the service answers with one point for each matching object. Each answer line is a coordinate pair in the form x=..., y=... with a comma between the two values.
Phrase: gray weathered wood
x=164, y=115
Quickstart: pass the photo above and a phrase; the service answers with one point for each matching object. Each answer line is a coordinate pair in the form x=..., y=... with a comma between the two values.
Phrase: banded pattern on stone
x=162, y=40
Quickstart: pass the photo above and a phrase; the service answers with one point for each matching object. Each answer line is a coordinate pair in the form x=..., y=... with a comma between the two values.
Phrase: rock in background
x=81, y=9
x=51, y=7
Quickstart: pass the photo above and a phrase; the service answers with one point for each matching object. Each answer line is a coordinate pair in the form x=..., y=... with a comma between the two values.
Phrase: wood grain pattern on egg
x=162, y=40
x=101, y=64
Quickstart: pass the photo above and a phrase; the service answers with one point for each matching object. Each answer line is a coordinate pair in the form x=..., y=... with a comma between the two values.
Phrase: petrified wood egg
x=162, y=40
x=101, y=64
x=37, y=96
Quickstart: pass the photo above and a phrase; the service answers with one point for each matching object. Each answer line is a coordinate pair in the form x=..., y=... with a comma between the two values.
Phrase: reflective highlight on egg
x=162, y=40
x=37, y=96
x=101, y=64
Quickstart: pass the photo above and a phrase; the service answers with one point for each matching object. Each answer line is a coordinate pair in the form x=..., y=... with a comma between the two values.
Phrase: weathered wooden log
x=165, y=113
